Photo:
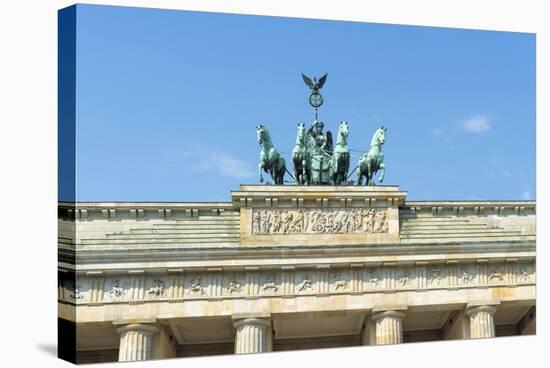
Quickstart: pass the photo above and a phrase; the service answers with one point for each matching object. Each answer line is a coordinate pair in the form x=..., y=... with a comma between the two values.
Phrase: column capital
x=259, y=321
x=490, y=309
x=141, y=327
x=377, y=315
x=479, y=303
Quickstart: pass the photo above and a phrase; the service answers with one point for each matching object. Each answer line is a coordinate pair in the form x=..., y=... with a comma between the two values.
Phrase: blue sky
x=167, y=102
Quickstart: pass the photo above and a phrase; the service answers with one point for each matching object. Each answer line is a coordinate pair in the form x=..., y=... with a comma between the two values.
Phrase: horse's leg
x=296, y=171
x=370, y=175
x=346, y=169
x=282, y=169
x=336, y=173
x=342, y=169
x=275, y=172
x=302, y=171
x=383, y=169
x=260, y=169
x=305, y=178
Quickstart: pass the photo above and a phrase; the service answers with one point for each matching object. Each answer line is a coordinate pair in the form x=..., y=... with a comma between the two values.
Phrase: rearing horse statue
x=270, y=160
x=340, y=157
x=300, y=157
x=372, y=161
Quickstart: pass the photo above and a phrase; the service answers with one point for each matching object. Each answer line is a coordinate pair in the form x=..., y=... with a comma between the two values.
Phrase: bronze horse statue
x=340, y=157
x=300, y=157
x=373, y=160
x=270, y=160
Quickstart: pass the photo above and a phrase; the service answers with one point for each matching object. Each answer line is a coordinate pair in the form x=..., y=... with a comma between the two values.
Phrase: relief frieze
x=304, y=282
x=319, y=221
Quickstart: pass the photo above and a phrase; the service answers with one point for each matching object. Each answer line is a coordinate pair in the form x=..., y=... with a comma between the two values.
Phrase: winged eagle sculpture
x=315, y=85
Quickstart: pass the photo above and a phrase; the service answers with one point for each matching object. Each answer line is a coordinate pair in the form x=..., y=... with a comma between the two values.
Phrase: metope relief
x=234, y=287
x=524, y=273
x=496, y=275
x=196, y=287
x=435, y=276
x=466, y=275
x=305, y=284
x=319, y=221
x=269, y=283
x=76, y=293
x=373, y=278
x=403, y=278
x=116, y=291
x=157, y=288
x=339, y=281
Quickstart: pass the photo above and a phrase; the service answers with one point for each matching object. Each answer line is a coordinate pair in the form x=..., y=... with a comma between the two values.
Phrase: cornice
x=335, y=253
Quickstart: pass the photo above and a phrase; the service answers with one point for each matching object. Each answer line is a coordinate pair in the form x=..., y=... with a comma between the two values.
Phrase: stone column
x=482, y=322
x=389, y=327
x=252, y=335
x=136, y=341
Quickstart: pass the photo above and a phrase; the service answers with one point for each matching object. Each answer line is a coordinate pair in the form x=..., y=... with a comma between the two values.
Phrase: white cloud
x=526, y=195
x=477, y=124
x=220, y=163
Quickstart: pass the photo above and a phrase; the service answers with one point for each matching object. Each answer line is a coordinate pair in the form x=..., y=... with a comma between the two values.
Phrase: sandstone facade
x=290, y=267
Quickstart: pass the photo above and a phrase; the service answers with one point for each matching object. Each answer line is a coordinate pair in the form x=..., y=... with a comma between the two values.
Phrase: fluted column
x=482, y=322
x=252, y=335
x=136, y=342
x=389, y=327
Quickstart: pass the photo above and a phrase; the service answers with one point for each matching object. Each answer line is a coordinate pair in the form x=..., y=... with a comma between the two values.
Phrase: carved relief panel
x=525, y=273
x=319, y=221
x=116, y=288
x=405, y=278
x=340, y=280
x=234, y=284
x=437, y=276
x=374, y=279
x=196, y=285
x=270, y=283
x=304, y=282
x=156, y=287
x=467, y=275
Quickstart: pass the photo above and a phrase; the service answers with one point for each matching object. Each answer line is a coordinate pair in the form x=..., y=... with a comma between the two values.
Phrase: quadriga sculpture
x=270, y=160
x=340, y=157
x=373, y=160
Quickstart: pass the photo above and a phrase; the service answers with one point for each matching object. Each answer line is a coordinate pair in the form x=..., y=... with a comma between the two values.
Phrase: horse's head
x=301, y=133
x=343, y=130
x=379, y=136
x=301, y=128
x=260, y=133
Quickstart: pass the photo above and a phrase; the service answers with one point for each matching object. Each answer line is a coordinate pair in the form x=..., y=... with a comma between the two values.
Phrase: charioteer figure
x=319, y=145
